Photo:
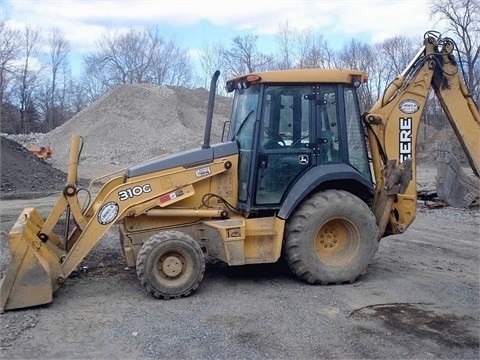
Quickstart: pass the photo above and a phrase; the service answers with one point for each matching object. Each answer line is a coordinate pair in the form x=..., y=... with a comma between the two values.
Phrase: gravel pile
x=25, y=175
x=429, y=136
x=134, y=123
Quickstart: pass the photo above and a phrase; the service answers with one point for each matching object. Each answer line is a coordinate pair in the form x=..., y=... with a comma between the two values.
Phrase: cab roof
x=301, y=76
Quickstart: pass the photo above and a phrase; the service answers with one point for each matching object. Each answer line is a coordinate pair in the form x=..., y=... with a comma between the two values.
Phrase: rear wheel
x=331, y=238
x=170, y=264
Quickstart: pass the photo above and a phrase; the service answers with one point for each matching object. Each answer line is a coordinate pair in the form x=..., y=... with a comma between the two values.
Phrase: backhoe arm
x=457, y=103
x=393, y=125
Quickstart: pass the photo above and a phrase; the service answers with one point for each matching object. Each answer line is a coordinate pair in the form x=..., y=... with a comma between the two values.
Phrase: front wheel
x=170, y=264
x=331, y=238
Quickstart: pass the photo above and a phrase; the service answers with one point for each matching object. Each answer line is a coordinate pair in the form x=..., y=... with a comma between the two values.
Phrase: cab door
x=285, y=138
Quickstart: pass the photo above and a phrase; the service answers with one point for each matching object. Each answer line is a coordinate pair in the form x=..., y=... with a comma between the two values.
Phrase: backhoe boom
x=393, y=124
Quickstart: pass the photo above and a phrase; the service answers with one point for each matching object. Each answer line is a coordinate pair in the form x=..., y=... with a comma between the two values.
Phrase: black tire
x=170, y=264
x=331, y=238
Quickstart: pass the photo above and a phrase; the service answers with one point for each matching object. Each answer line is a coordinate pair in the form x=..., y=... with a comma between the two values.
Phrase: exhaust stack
x=211, y=103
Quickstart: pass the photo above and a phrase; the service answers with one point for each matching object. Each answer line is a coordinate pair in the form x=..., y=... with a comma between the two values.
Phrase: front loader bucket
x=454, y=185
x=29, y=279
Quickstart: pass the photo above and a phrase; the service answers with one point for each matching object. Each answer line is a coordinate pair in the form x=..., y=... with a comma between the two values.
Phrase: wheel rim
x=337, y=242
x=171, y=265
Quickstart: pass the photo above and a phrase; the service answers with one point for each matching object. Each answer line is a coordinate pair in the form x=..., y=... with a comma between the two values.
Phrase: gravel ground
x=418, y=300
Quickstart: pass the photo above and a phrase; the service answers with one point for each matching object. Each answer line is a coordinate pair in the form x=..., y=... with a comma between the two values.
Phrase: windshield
x=243, y=117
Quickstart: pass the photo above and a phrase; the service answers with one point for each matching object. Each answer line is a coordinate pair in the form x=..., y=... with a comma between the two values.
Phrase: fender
x=315, y=177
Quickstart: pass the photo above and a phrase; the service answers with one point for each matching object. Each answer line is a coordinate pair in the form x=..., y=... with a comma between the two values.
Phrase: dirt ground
x=418, y=300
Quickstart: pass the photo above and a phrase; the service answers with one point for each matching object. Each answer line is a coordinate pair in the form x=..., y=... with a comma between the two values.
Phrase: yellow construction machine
x=42, y=152
x=301, y=172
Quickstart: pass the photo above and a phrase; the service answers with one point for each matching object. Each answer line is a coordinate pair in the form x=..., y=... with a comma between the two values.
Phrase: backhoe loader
x=301, y=173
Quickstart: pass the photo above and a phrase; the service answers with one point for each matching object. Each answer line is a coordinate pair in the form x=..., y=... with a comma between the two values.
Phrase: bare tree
x=95, y=82
x=398, y=51
x=286, y=39
x=137, y=56
x=170, y=63
x=313, y=51
x=211, y=59
x=124, y=57
x=28, y=78
x=180, y=73
x=244, y=57
x=360, y=56
x=9, y=52
x=59, y=49
x=34, y=78
x=463, y=17
x=75, y=93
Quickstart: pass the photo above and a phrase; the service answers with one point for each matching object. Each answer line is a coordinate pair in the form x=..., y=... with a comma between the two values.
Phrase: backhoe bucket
x=454, y=185
x=30, y=276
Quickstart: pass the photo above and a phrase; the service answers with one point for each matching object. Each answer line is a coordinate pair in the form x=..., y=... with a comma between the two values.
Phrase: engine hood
x=187, y=158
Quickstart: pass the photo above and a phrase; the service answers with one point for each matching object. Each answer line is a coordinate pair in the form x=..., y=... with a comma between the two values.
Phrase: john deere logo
x=303, y=160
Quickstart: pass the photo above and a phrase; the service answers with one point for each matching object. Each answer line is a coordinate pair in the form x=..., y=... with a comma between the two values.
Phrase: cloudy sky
x=194, y=22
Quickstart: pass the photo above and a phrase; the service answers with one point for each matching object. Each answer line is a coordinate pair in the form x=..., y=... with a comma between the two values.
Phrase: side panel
x=239, y=241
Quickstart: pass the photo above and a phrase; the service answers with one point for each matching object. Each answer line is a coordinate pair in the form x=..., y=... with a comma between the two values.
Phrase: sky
x=195, y=22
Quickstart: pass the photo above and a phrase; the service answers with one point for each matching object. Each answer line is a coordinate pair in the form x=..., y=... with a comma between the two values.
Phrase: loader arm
x=41, y=261
x=118, y=201
x=393, y=125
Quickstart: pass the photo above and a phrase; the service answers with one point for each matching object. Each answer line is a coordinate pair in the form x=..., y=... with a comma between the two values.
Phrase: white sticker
x=107, y=213
x=409, y=106
x=203, y=172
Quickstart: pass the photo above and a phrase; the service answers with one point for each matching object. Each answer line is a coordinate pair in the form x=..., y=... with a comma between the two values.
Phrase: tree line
x=38, y=91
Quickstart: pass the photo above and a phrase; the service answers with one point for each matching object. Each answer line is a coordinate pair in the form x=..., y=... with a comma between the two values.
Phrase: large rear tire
x=170, y=264
x=331, y=238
